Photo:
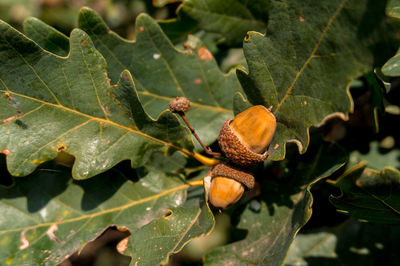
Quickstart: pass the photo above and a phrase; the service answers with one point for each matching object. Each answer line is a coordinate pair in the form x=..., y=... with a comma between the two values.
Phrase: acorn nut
x=245, y=139
x=228, y=183
x=179, y=105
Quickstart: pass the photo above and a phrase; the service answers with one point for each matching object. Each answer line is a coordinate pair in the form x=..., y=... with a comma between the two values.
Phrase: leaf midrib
x=186, y=231
x=100, y=120
x=92, y=215
x=93, y=83
x=313, y=52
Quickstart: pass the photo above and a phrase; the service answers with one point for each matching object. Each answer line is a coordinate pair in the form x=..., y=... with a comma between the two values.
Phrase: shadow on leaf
x=100, y=188
x=51, y=180
x=283, y=182
x=39, y=188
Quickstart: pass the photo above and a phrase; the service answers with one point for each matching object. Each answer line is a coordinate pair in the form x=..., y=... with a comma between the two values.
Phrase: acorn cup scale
x=245, y=139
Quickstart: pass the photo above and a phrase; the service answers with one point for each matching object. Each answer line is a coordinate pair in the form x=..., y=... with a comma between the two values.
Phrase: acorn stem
x=204, y=160
x=196, y=183
x=206, y=149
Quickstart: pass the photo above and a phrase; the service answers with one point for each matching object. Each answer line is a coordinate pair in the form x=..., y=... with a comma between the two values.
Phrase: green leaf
x=180, y=27
x=50, y=104
x=315, y=245
x=286, y=205
x=49, y=215
x=384, y=80
x=377, y=158
x=369, y=195
x=393, y=8
x=230, y=19
x=156, y=241
x=46, y=36
x=377, y=102
x=180, y=73
x=391, y=67
x=304, y=64
x=352, y=243
x=162, y=72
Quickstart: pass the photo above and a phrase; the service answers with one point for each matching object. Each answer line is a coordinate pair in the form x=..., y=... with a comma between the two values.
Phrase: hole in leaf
x=168, y=213
x=106, y=247
x=63, y=158
x=61, y=148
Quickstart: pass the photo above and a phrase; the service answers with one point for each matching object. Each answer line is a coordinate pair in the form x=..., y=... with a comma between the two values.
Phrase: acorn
x=179, y=105
x=228, y=183
x=245, y=139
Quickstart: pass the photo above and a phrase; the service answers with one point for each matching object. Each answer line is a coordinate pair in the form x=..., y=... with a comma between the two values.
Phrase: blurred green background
x=62, y=14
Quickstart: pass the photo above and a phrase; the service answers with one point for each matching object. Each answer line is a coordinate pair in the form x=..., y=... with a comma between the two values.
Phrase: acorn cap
x=235, y=150
x=179, y=105
x=233, y=172
x=245, y=139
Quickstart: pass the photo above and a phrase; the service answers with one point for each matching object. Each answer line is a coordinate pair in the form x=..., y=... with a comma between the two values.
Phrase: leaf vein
x=100, y=120
x=112, y=145
x=173, y=76
x=92, y=215
x=93, y=83
x=313, y=52
x=208, y=85
x=21, y=211
x=52, y=141
x=187, y=229
x=34, y=72
x=68, y=86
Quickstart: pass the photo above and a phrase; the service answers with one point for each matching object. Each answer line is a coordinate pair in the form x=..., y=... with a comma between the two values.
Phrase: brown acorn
x=228, y=183
x=245, y=139
x=179, y=105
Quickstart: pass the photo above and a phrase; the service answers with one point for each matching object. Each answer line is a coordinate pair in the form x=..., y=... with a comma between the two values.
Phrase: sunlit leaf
x=162, y=72
x=48, y=37
x=392, y=67
x=192, y=73
x=50, y=215
x=159, y=239
x=50, y=104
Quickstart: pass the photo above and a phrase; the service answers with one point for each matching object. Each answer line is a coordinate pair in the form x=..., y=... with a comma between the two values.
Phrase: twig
x=206, y=149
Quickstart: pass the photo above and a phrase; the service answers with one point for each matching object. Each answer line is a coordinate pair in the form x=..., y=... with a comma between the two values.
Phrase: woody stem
x=206, y=149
